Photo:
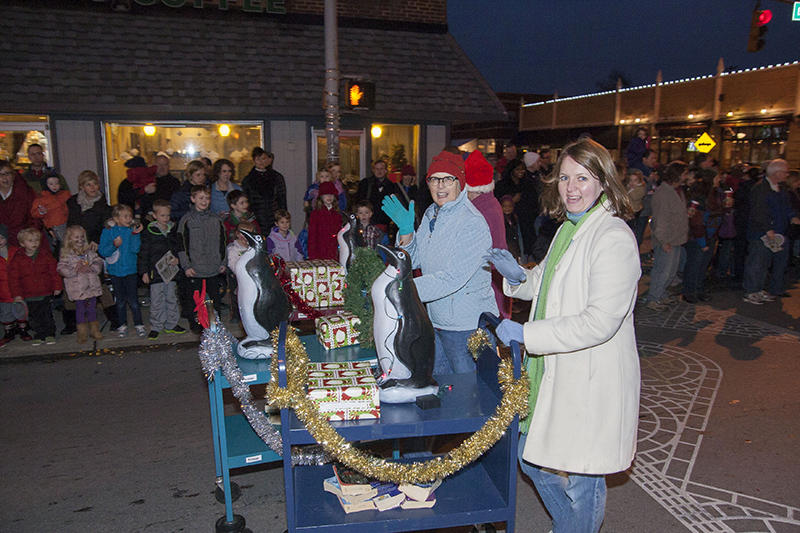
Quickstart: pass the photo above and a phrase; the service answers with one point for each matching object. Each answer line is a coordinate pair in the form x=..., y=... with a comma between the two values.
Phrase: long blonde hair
x=67, y=248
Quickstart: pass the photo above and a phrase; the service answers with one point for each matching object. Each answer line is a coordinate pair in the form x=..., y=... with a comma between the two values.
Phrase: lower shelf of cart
x=245, y=447
x=467, y=497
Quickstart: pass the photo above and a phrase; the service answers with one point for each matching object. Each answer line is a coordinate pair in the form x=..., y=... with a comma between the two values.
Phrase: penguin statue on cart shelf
x=262, y=303
x=404, y=337
x=349, y=239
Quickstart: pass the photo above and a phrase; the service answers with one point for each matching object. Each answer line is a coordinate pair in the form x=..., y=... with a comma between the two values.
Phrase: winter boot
x=70, y=326
x=22, y=329
x=10, y=332
x=94, y=330
x=111, y=314
x=83, y=332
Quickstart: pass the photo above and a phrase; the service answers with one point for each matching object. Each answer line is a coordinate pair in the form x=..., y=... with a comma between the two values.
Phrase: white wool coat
x=587, y=409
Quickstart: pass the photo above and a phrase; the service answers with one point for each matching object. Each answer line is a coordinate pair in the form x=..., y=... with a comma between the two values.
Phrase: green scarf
x=535, y=364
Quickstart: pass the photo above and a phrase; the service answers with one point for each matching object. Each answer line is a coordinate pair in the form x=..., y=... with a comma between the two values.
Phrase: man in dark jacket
x=374, y=189
x=166, y=183
x=770, y=215
x=39, y=169
x=265, y=188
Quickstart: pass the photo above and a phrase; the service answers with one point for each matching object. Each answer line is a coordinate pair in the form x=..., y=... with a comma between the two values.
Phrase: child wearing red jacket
x=51, y=208
x=324, y=223
x=6, y=301
x=32, y=278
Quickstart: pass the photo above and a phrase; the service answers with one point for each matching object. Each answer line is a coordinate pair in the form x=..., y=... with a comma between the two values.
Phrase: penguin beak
x=251, y=240
x=390, y=253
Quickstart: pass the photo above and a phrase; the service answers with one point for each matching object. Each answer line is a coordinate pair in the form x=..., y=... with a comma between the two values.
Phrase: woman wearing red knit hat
x=449, y=246
x=480, y=186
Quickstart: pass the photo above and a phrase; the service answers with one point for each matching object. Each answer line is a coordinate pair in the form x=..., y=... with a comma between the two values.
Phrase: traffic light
x=758, y=28
x=359, y=94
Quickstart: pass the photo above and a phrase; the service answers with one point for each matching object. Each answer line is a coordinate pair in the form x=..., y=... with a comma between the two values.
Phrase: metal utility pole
x=331, y=97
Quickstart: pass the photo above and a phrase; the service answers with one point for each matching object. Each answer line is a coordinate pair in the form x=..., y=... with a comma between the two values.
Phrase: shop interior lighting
x=622, y=121
x=376, y=131
x=730, y=113
x=763, y=111
x=638, y=120
x=149, y=130
x=690, y=116
x=224, y=130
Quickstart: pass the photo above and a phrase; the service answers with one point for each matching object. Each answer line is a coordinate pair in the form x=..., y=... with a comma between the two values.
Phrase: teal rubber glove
x=505, y=263
x=404, y=218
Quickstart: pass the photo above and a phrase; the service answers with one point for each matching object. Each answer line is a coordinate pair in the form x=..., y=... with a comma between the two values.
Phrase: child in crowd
x=158, y=239
x=51, y=208
x=281, y=241
x=370, y=235
x=119, y=244
x=33, y=279
x=239, y=212
x=324, y=224
x=80, y=267
x=201, y=236
x=513, y=233
x=233, y=253
x=181, y=201
x=324, y=175
x=6, y=301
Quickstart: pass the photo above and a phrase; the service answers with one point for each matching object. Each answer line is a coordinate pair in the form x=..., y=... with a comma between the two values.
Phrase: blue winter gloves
x=508, y=331
x=505, y=263
x=404, y=218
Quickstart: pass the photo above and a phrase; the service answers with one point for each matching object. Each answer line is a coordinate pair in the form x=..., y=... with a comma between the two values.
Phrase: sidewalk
x=67, y=346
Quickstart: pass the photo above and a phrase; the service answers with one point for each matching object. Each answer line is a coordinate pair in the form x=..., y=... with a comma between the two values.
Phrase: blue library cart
x=484, y=491
x=236, y=444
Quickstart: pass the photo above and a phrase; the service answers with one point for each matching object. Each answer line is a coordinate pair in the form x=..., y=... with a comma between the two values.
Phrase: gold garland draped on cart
x=513, y=402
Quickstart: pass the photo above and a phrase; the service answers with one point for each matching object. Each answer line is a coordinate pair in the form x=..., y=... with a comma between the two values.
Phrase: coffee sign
x=252, y=6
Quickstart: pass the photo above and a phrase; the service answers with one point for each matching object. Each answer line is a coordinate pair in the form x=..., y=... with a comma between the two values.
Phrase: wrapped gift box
x=319, y=282
x=344, y=391
x=335, y=331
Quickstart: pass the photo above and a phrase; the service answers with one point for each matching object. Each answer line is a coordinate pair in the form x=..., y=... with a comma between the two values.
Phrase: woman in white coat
x=582, y=356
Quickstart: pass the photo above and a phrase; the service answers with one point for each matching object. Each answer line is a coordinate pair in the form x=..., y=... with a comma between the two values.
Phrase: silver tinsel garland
x=216, y=353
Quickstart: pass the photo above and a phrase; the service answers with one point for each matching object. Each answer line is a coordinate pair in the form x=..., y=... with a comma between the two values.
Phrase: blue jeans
x=724, y=253
x=452, y=355
x=759, y=259
x=665, y=266
x=125, y=291
x=694, y=271
x=639, y=225
x=576, y=502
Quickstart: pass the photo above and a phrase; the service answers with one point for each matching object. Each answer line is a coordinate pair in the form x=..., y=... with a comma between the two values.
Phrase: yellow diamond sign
x=705, y=143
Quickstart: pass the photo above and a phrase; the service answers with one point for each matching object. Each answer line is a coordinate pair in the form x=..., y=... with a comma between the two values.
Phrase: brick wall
x=425, y=11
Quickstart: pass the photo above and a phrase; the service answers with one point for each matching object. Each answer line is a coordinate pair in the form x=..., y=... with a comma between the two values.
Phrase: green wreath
x=366, y=268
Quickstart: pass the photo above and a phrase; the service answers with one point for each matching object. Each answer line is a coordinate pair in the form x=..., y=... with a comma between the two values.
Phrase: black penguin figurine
x=263, y=304
x=404, y=336
x=349, y=239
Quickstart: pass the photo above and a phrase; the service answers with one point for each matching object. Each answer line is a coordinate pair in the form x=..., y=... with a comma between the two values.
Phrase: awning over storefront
x=90, y=60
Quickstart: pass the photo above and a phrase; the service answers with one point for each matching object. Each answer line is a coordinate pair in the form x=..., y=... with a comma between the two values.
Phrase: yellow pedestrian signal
x=359, y=94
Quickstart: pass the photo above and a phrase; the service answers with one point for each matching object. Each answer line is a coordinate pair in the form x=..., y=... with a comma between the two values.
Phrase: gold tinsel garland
x=476, y=341
x=513, y=402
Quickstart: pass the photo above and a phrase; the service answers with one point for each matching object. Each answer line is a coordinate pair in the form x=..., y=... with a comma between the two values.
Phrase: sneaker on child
x=122, y=331
x=178, y=329
x=153, y=335
x=140, y=331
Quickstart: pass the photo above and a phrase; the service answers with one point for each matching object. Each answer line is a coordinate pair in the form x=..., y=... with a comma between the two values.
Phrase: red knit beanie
x=448, y=163
x=327, y=187
x=479, y=173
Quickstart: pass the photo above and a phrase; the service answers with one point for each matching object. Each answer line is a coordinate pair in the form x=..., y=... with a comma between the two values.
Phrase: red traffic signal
x=758, y=29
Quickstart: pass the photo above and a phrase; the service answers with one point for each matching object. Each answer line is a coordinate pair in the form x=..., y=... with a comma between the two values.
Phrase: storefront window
x=395, y=144
x=17, y=132
x=182, y=143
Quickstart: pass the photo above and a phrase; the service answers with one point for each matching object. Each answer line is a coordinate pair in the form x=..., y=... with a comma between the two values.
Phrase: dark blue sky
x=531, y=46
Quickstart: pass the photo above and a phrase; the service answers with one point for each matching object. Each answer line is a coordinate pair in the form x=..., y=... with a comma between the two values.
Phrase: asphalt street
x=119, y=438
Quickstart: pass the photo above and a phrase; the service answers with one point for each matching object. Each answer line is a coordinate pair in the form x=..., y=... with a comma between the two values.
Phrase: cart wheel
x=219, y=494
x=236, y=526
